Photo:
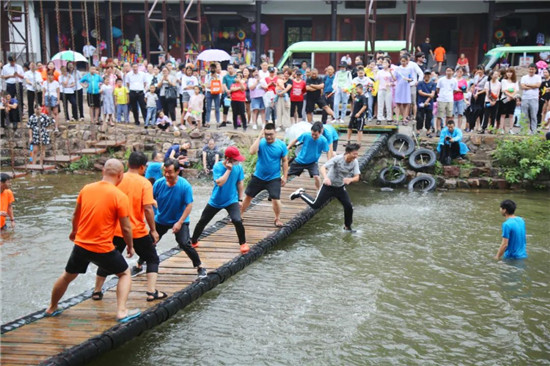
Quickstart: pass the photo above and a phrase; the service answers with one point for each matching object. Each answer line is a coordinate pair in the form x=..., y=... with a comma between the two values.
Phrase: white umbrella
x=213, y=55
x=296, y=130
x=69, y=56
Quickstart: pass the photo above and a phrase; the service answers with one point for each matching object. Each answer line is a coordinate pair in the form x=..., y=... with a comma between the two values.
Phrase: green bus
x=314, y=47
x=514, y=52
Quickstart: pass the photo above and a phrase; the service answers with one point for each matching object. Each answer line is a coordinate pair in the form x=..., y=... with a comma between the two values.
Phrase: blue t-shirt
x=93, y=83
x=312, y=149
x=513, y=229
x=154, y=170
x=330, y=134
x=172, y=201
x=426, y=88
x=227, y=194
x=175, y=148
x=328, y=84
x=229, y=80
x=268, y=166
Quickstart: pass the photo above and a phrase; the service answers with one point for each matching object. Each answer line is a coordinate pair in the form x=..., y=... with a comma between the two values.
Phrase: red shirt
x=269, y=80
x=239, y=95
x=297, y=91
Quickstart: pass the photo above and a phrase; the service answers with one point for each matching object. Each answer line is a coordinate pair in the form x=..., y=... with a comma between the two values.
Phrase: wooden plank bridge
x=87, y=328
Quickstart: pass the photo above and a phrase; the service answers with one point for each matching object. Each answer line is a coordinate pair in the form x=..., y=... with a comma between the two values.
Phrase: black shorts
x=310, y=105
x=112, y=262
x=297, y=169
x=356, y=123
x=94, y=100
x=506, y=109
x=256, y=185
x=143, y=247
x=334, y=145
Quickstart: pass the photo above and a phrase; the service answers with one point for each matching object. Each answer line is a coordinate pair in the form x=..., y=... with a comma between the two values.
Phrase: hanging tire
x=422, y=159
x=392, y=175
x=400, y=145
x=422, y=183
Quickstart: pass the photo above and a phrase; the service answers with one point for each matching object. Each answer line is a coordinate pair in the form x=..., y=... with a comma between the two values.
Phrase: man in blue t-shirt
x=332, y=137
x=314, y=144
x=228, y=190
x=513, y=233
x=425, y=99
x=271, y=153
x=174, y=197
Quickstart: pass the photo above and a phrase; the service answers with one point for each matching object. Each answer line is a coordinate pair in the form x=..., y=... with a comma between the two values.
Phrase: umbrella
x=296, y=130
x=541, y=64
x=116, y=32
x=69, y=56
x=263, y=28
x=213, y=55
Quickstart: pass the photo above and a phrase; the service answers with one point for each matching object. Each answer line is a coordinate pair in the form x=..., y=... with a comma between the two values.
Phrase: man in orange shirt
x=6, y=199
x=99, y=208
x=439, y=56
x=140, y=194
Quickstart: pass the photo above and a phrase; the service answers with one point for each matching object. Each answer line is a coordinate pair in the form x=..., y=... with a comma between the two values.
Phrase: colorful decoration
x=263, y=28
x=499, y=34
x=241, y=35
x=248, y=43
x=225, y=35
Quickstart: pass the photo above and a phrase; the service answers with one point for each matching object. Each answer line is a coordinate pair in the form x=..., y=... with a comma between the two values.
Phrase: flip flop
x=132, y=314
x=157, y=295
x=54, y=314
x=275, y=223
x=96, y=296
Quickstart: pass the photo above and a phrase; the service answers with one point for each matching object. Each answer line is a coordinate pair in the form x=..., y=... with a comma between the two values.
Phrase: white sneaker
x=297, y=193
x=254, y=127
x=176, y=128
x=278, y=129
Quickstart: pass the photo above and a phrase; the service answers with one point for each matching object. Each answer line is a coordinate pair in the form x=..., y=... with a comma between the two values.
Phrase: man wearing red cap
x=227, y=193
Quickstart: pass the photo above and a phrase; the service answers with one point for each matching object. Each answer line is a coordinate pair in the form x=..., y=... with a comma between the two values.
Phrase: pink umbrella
x=541, y=64
x=213, y=55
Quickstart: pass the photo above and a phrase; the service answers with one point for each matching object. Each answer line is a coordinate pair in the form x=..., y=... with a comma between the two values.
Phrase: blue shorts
x=50, y=101
x=257, y=103
x=459, y=107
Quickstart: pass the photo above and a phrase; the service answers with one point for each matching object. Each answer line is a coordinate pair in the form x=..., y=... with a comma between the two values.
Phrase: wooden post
x=182, y=31
x=199, y=26
x=258, y=33
x=147, y=43
x=165, y=31
x=27, y=25
x=333, y=25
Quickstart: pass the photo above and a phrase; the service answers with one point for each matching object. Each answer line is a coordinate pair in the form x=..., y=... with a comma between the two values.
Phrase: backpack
x=215, y=87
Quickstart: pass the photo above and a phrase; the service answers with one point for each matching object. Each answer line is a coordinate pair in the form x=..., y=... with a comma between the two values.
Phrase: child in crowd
x=357, y=120
x=151, y=99
x=10, y=110
x=368, y=85
x=50, y=94
x=163, y=122
x=108, y=105
x=194, y=108
x=210, y=156
x=122, y=98
x=154, y=168
x=39, y=135
x=238, y=99
x=297, y=97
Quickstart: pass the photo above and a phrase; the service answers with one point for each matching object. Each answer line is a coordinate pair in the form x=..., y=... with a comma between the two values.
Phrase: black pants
x=33, y=97
x=66, y=99
x=169, y=107
x=449, y=152
x=330, y=103
x=296, y=106
x=238, y=109
x=79, y=96
x=424, y=118
x=137, y=98
x=182, y=238
x=490, y=115
x=208, y=214
x=326, y=192
x=143, y=247
x=16, y=90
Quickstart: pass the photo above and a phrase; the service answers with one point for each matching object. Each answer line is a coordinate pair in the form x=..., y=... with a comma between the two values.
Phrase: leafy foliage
x=523, y=159
x=85, y=163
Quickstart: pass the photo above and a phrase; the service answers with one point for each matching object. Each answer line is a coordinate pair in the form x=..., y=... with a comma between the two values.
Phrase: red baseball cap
x=233, y=153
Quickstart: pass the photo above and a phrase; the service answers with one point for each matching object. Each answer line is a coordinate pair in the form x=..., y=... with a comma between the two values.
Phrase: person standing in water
x=513, y=233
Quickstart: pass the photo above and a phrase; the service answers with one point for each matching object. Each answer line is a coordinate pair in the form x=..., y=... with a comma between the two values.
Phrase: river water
x=416, y=285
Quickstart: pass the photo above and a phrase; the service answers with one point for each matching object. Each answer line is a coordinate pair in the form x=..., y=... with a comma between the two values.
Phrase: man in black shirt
x=357, y=120
x=427, y=49
x=314, y=88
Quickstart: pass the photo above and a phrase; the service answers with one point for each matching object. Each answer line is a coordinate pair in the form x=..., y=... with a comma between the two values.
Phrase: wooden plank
x=110, y=143
x=92, y=151
x=62, y=159
x=16, y=174
x=36, y=167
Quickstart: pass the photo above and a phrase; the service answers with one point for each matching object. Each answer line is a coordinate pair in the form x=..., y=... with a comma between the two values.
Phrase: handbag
x=227, y=102
x=170, y=92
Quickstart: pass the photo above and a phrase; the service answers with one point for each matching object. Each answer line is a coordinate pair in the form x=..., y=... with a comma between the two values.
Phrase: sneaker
x=349, y=230
x=201, y=272
x=195, y=245
x=297, y=193
x=223, y=124
x=81, y=119
x=176, y=128
x=511, y=132
x=245, y=248
x=278, y=129
x=438, y=133
x=56, y=130
x=254, y=127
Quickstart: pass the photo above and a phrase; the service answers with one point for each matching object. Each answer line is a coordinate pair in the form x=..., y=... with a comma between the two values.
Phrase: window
x=297, y=31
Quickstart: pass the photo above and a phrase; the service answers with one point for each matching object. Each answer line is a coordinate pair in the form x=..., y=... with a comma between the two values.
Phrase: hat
x=271, y=69
x=233, y=153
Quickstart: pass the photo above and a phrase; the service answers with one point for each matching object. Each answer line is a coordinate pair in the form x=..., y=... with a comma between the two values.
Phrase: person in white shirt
x=492, y=95
x=418, y=75
x=88, y=51
x=67, y=88
x=507, y=103
x=368, y=84
x=385, y=78
x=263, y=72
x=50, y=89
x=13, y=76
x=445, y=90
x=136, y=82
x=530, y=84
x=33, y=84
x=188, y=82
x=342, y=89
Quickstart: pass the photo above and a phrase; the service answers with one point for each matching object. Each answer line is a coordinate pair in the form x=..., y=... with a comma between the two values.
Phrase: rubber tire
x=418, y=166
x=427, y=178
x=398, y=180
x=404, y=139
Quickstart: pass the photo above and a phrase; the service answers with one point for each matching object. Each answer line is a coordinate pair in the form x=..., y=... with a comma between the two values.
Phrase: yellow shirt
x=121, y=95
x=370, y=74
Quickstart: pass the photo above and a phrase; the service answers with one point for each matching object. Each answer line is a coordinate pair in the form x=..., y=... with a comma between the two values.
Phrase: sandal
x=152, y=296
x=97, y=296
x=280, y=225
x=378, y=122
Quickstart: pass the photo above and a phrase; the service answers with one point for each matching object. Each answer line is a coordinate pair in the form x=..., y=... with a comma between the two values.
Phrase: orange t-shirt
x=439, y=54
x=44, y=73
x=101, y=206
x=140, y=193
x=6, y=198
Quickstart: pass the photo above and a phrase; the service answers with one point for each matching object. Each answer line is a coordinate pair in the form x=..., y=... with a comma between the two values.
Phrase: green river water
x=416, y=285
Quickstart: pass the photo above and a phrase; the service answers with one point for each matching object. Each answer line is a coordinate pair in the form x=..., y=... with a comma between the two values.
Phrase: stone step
x=62, y=159
x=110, y=143
x=91, y=151
x=36, y=167
x=16, y=174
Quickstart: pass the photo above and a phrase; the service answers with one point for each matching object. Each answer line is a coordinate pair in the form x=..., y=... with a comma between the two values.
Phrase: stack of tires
x=403, y=147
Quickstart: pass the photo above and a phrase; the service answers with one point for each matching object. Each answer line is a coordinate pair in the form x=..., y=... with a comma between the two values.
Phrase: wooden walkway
x=37, y=341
